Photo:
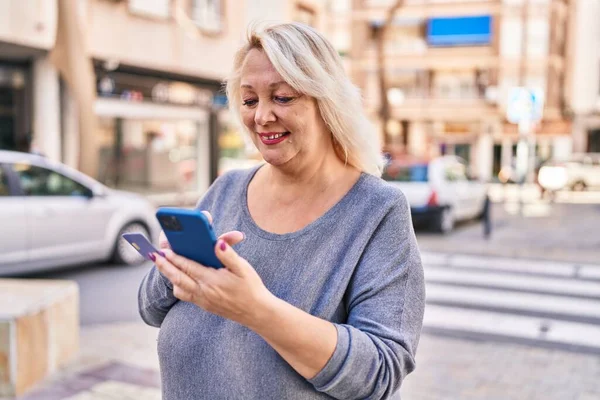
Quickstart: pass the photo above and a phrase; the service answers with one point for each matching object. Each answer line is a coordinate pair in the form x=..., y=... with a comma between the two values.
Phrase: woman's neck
x=311, y=178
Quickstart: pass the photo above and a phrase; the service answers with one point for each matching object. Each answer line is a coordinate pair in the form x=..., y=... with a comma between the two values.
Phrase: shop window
x=463, y=151
x=497, y=163
x=151, y=8
x=594, y=141
x=208, y=15
x=236, y=149
x=4, y=190
x=37, y=181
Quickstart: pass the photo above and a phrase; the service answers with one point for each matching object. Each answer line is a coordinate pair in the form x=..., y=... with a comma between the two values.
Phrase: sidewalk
x=119, y=362
x=115, y=362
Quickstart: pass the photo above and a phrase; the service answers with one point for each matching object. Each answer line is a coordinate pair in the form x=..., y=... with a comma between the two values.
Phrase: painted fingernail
x=162, y=254
x=152, y=256
x=222, y=246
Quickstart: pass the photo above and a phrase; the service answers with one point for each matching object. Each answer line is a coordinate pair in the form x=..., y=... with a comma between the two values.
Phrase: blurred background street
x=488, y=113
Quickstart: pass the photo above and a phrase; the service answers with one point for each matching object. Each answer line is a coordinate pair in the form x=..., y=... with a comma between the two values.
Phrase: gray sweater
x=357, y=266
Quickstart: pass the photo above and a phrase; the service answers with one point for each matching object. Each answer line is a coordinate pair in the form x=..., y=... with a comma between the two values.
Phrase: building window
x=208, y=15
x=151, y=8
x=4, y=189
x=593, y=141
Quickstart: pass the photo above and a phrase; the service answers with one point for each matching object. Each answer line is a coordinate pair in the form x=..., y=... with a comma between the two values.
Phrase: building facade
x=584, y=78
x=161, y=118
x=27, y=31
x=453, y=67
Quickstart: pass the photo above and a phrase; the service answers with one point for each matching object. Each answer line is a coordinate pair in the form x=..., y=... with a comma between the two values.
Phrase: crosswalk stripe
x=517, y=326
x=560, y=286
x=443, y=294
x=535, y=302
x=505, y=264
x=590, y=272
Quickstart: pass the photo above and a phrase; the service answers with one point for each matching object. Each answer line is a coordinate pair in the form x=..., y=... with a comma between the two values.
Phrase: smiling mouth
x=274, y=136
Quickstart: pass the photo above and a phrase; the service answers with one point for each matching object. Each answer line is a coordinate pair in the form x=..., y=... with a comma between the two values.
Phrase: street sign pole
x=525, y=107
x=523, y=157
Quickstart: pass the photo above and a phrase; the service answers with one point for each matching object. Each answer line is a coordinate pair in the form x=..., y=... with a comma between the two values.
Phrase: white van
x=440, y=192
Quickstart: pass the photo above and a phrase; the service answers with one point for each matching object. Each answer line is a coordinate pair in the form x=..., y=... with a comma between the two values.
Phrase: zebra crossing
x=539, y=303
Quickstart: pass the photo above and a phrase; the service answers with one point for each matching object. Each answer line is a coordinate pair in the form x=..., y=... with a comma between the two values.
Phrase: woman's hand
x=235, y=292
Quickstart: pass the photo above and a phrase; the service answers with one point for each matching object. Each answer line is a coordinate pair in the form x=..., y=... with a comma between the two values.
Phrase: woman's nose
x=264, y=114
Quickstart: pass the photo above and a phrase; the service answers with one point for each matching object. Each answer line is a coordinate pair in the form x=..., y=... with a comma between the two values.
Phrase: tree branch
x=384, y=106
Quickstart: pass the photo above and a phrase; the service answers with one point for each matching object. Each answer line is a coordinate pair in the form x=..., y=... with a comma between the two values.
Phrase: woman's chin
x=276, y=158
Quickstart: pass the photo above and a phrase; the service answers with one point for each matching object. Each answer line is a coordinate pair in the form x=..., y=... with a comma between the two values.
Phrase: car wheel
x=444, y=220
x=579, y=186
x=124, y=253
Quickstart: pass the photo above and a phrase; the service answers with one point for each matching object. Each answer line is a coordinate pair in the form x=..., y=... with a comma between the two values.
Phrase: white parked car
x=54, y=216
x=439, y=192
x=580, y=172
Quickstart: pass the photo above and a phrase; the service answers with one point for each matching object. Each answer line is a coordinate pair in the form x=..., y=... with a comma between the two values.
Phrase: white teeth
x=277, y=136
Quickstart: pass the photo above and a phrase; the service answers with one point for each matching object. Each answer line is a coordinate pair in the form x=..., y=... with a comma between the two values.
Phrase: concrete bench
x=39, y=331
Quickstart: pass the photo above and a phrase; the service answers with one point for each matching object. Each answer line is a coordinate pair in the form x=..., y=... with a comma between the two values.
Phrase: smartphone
x=139, y=242
x=190, y=234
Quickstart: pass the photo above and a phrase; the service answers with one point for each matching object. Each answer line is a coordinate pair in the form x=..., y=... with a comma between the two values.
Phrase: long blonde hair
x=310, y=65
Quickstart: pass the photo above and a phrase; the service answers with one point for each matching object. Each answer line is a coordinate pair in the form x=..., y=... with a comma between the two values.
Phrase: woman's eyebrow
x=271, y=85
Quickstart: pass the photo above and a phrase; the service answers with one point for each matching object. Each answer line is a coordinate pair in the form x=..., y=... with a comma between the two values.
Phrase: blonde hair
x=310, y=65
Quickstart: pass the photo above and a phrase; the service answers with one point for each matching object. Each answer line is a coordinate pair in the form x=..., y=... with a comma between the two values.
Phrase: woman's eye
x=249, y=102
x=283, y=99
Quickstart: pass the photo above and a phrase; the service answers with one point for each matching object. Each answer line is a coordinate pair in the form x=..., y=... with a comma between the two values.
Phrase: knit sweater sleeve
x=385, y=300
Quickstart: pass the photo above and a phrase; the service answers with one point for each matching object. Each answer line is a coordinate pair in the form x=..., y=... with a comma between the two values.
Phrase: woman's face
x=285, y=125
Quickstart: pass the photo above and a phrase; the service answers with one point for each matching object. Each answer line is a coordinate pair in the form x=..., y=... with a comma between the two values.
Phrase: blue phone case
x=190, y=234
x=140, y=243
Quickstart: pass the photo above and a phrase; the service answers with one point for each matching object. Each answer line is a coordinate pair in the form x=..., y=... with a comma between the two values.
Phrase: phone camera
x=170, y=223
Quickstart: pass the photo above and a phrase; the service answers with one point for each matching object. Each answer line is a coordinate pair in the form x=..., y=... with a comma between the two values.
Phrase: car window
x=456, y=172
x=4, y=189
x=38, y=181
x=405, y=173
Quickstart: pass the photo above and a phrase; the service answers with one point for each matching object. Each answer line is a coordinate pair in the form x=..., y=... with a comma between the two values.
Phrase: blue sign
x=460, y=31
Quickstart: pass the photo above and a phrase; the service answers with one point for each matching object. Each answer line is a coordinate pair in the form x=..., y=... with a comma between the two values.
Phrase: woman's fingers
x=230, y=259
x=192, y=269
x=176, y=276
x=233, y=237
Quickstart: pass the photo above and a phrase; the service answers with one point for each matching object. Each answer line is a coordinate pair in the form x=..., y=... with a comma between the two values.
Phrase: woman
x=323, y=295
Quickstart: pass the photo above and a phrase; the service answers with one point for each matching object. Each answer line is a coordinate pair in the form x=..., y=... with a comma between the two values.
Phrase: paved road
x=107, y=292
x=547, y=304
x=508, y=329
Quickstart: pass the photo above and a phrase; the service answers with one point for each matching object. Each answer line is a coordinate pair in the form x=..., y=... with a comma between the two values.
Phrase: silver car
x=54, y=216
